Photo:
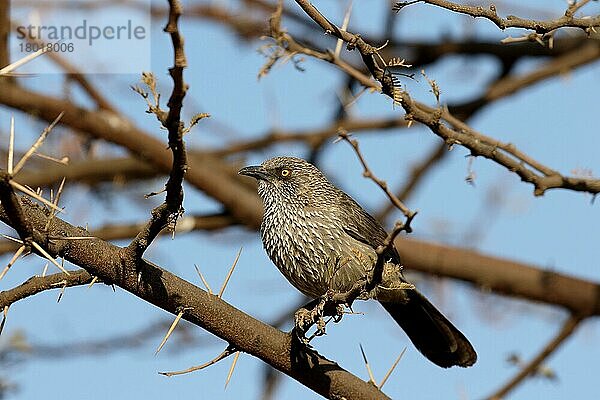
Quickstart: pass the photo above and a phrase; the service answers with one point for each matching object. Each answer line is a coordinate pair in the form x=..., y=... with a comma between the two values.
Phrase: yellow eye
x=285, y=172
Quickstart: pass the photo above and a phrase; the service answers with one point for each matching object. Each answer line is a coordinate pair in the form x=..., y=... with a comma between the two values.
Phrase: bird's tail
x=431, y=333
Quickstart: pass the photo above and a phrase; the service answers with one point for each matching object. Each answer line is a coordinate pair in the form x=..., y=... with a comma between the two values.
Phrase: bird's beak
x=255, y=171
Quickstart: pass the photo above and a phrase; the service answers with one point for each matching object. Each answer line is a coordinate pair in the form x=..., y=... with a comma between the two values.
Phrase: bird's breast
x=312, y=251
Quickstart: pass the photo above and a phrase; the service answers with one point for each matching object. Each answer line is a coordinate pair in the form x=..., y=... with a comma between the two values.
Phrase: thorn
x=10, y=67
x=62, y=291
x=229, y=350
x=235, y=359
x=387, y=375
x=50, y=237
x=44, y=270
x=12, y=238
x=63, y=161
x=229, y=274
x=55, y=202
x=36, y=196
x=371, y=378
x=37, y=144
x=5, y=314
x=49, y=257
x=171, y=329
x=203, y=280
x=152, y=194
x=340, y=42
x=94, y=280
x=11, y=147
x=12, y=261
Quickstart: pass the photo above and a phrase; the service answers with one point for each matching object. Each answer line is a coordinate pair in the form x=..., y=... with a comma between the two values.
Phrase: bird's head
x=286, y=179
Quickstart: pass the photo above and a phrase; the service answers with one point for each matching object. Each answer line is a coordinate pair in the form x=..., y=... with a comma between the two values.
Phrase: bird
x=321, y=240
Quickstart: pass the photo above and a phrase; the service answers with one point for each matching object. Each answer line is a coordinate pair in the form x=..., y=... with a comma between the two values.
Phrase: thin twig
x=567, y=329
x=226, y=353
x=171, y=209
x=369, y=174
x=504, y=154
x=567, y=20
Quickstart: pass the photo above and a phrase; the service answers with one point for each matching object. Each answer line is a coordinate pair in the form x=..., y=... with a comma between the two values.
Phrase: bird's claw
x=305, y=318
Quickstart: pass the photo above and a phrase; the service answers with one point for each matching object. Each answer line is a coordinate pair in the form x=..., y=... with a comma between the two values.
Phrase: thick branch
x=172, y=293
x=4, y=32
x=206, y=172
x=501, y=276
x=90, y=172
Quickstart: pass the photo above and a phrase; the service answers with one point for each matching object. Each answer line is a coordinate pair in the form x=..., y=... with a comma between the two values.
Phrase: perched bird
x=322, y=240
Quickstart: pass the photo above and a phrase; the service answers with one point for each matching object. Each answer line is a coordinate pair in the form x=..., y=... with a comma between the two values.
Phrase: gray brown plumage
x=321, y=239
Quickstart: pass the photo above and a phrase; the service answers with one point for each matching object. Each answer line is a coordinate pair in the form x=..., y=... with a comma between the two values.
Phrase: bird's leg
x=305, y=317
x=329, y=304
x=313, y=313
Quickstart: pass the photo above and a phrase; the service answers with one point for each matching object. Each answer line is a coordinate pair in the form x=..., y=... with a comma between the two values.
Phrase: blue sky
x=554, y=121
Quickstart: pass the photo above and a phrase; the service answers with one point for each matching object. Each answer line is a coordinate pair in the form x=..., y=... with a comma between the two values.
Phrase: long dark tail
x=431, y=333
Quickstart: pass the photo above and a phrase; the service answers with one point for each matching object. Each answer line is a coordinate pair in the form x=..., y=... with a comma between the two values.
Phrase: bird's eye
x=285, y=172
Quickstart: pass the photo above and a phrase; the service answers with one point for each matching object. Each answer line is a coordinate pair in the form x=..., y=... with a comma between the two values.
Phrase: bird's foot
x=305, y=318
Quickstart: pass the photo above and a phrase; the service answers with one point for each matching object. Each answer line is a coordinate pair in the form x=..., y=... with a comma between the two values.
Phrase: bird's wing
x=361, y=226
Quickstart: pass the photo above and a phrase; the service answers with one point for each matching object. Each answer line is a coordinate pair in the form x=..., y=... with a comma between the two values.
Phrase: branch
x=423, y=53
x=171, y=293
x=38, y=284
x=567, y=330
x=511, y=21
x=312, y=137
x=4, y=33
x=124, y=341
x=190, y=223
x=506, y=154
x=172, y=208
x=417, y=173
x=501, y=276
x=206, y=172
x=89, y=171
